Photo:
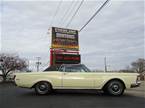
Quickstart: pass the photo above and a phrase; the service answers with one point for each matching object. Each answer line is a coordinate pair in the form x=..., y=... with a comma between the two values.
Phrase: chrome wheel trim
x=42, y=88
x=115, y=88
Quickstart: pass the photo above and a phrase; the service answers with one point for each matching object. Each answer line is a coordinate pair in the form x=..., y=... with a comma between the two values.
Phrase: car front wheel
x=115, y=88
x=42, y=88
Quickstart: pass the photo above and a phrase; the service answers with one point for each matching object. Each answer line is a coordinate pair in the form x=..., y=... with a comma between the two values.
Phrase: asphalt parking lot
x=14, y=97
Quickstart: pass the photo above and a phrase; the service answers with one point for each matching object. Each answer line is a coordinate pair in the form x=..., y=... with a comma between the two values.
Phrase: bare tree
x=10, y=63
x=139, y=65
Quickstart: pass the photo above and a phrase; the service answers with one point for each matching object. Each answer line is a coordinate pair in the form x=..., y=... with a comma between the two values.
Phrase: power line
x=66, y=12
x=57, y=9
x=94, y=15
x=71, y=9
x=75, y=13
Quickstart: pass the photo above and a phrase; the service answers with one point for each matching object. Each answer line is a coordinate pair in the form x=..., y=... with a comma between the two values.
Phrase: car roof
x=56, y=67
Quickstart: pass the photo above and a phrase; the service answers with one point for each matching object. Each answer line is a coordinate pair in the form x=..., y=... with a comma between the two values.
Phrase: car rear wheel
x=115, y=88
x=43, y=88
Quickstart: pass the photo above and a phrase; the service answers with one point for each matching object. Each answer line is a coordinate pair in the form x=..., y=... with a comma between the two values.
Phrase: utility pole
x=105, y=64
x=27, y=63
x=38, y=63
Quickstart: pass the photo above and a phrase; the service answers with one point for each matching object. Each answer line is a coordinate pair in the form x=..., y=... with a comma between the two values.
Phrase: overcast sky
x=117, y=32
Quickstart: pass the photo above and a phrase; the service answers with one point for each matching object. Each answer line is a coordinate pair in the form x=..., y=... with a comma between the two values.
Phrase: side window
x=74, y=69
x=68, y=69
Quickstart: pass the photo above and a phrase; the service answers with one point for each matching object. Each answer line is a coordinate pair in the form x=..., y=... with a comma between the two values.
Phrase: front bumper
x=137, y=84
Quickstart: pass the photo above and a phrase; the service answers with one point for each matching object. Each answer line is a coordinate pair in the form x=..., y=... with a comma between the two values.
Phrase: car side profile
x=77, y=76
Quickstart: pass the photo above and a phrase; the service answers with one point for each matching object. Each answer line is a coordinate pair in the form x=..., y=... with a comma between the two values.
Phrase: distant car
x=77, y=77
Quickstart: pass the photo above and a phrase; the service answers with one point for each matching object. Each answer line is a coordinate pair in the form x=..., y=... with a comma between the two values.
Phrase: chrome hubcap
x=115, y=88
x=42, y=87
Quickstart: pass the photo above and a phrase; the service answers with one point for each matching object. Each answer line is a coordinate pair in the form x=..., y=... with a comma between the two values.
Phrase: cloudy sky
x=117, y=32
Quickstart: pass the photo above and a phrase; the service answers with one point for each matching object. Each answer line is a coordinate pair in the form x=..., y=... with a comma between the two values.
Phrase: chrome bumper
x=137, y=84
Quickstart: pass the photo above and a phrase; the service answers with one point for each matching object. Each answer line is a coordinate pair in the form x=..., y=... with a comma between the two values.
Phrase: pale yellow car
x=77, y=77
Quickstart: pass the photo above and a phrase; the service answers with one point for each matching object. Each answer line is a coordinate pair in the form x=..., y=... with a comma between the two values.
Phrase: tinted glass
x=76, y=68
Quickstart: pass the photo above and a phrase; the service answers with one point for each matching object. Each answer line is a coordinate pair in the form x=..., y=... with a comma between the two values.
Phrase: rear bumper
x=137, y=84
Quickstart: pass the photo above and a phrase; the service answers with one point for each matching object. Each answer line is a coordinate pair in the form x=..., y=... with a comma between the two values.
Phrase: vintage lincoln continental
x=77, y=76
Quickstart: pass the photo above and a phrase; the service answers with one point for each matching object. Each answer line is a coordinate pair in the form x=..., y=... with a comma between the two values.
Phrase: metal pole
x=38, y=63
x=105, y=64
x=51, y=57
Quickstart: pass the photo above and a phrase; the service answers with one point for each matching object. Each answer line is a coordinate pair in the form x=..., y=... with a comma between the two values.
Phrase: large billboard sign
x=66, y=59
x=64, y=38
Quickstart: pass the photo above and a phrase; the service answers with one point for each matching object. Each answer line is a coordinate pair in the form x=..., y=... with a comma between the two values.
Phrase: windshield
x=52, y=68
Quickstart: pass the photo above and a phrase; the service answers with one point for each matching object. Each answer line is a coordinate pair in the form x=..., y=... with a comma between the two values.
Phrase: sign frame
x=62, y=38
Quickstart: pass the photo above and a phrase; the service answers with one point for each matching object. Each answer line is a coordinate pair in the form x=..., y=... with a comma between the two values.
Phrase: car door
x=76, y=78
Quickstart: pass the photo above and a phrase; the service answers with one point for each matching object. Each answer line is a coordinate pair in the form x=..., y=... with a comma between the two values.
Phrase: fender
x=108, y=80
x=36, y=81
